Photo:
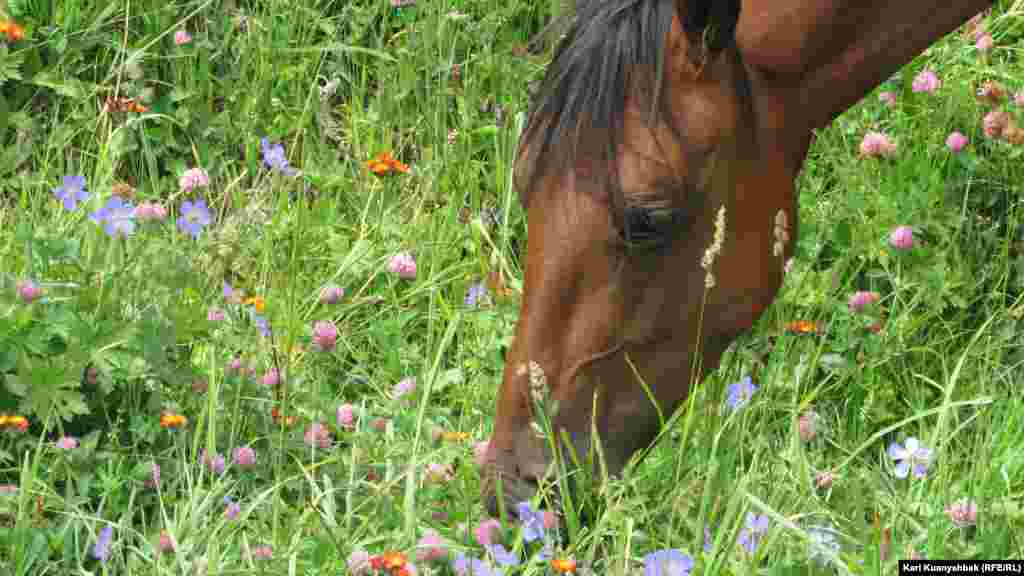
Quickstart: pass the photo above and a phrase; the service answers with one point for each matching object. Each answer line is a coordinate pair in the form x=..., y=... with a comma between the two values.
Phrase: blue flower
x=468, y=566
x=532, y=520
x=101, y=550
x=708, y=541
x=669, y=562
x=751, y=534
x=194, y=216
x=117, y=217
x=262, y=325
x=72, y=192
x=274, y=158
x=913, y=455
x=740, y=392
x=477, y=296
x=503, y=556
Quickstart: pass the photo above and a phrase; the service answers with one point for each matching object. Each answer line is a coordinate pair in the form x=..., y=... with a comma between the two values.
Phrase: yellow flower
x=257, y=301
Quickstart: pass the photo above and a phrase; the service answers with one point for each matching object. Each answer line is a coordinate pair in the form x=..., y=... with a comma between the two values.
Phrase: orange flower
x=168, y=420
x=803, y=327
x=123, y=105
x=455, y=436
x=276, y=415
x=12, y=30
x=19, y=422
x=383, y=163
x=564, y=565
x=394, y=560
x=257, y=301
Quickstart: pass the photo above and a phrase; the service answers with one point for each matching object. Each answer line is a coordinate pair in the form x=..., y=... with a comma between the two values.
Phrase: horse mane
x=610, y=48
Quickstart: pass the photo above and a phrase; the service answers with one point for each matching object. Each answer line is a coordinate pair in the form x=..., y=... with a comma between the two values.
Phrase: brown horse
x=658, y=119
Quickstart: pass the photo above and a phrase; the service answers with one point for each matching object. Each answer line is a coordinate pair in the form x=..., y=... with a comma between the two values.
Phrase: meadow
x=261, y=261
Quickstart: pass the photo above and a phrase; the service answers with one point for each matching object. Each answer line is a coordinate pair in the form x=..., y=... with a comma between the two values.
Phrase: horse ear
x=714, y=20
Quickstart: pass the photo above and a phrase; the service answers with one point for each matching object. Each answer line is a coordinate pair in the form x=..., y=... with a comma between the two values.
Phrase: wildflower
x=28, y=291
x=502, y=556
x=153, y=482
x=860, y=300
x=194, y=217
x=215, y=463
x=926, y=81
x=262, y=325
x=318, y=436
x=384, y=163
x=262, y=552
x=708, y=541
x=215, y=315
x=258, y=303
x=166, y=543
x=910, y=455
x=72, y=192
x=711, y=253
x=325, y=335
x=116, y=216
x=887, y=98
x=6, y=489
x=231, y=508
x=430, y=548
x=877, y=145
x=488, y=532
x=404, y=387
x=438, y=473
x=244, y=457
x=994, y=123
x=956, y=142
x=453, y=436
x=404, y=265
x=271, y=378
x=962, y=513
x=389, y=561
x=669, y=562
x=274, y=158
x=1018, y=98
x=807, y=425
x=19, y=423
x=822, y=546
x=101, y=550
x=477, y=296
x=902, y=238
x=150, y=211
x=168, y=420
x=13, y=31
x=532, y=520
x=984, y=43
x=67, y=443
x=823, y=480
x=480, y=453
x=991, y=93
x=740, y=392
x=346, y=416
x=359, y=563
x=464, y=565
x=193, y=178
x=182, y=37
x=379, y=424
x=751, y=534
x=331, y=294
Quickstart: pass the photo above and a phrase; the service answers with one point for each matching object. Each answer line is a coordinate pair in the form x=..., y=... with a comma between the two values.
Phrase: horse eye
x=645, y=227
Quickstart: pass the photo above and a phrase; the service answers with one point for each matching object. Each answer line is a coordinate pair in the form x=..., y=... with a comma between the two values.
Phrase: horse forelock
x=612, y=49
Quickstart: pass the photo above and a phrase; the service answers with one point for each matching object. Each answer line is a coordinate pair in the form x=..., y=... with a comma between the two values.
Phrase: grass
x=122, y=333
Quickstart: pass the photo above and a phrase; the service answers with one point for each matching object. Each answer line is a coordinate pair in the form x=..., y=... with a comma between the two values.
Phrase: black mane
x=610, y=48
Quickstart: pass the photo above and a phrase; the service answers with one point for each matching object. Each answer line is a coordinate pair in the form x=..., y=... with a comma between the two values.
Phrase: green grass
x=121, y=333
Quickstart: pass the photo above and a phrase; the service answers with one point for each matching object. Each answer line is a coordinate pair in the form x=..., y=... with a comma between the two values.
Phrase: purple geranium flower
x=72, y=192
x=532, y=520
x=194, y=216
x=503, y=556
x=262, y=325
x=751, y=534
x=911, y=454
x=468, y=566
x=117, y=217
x=101, y=550
x=669, y=562
x=740, y=392
x=274, y=158
x=477, y=296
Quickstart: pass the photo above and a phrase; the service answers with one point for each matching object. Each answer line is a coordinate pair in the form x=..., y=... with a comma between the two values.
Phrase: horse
x=657, y=169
